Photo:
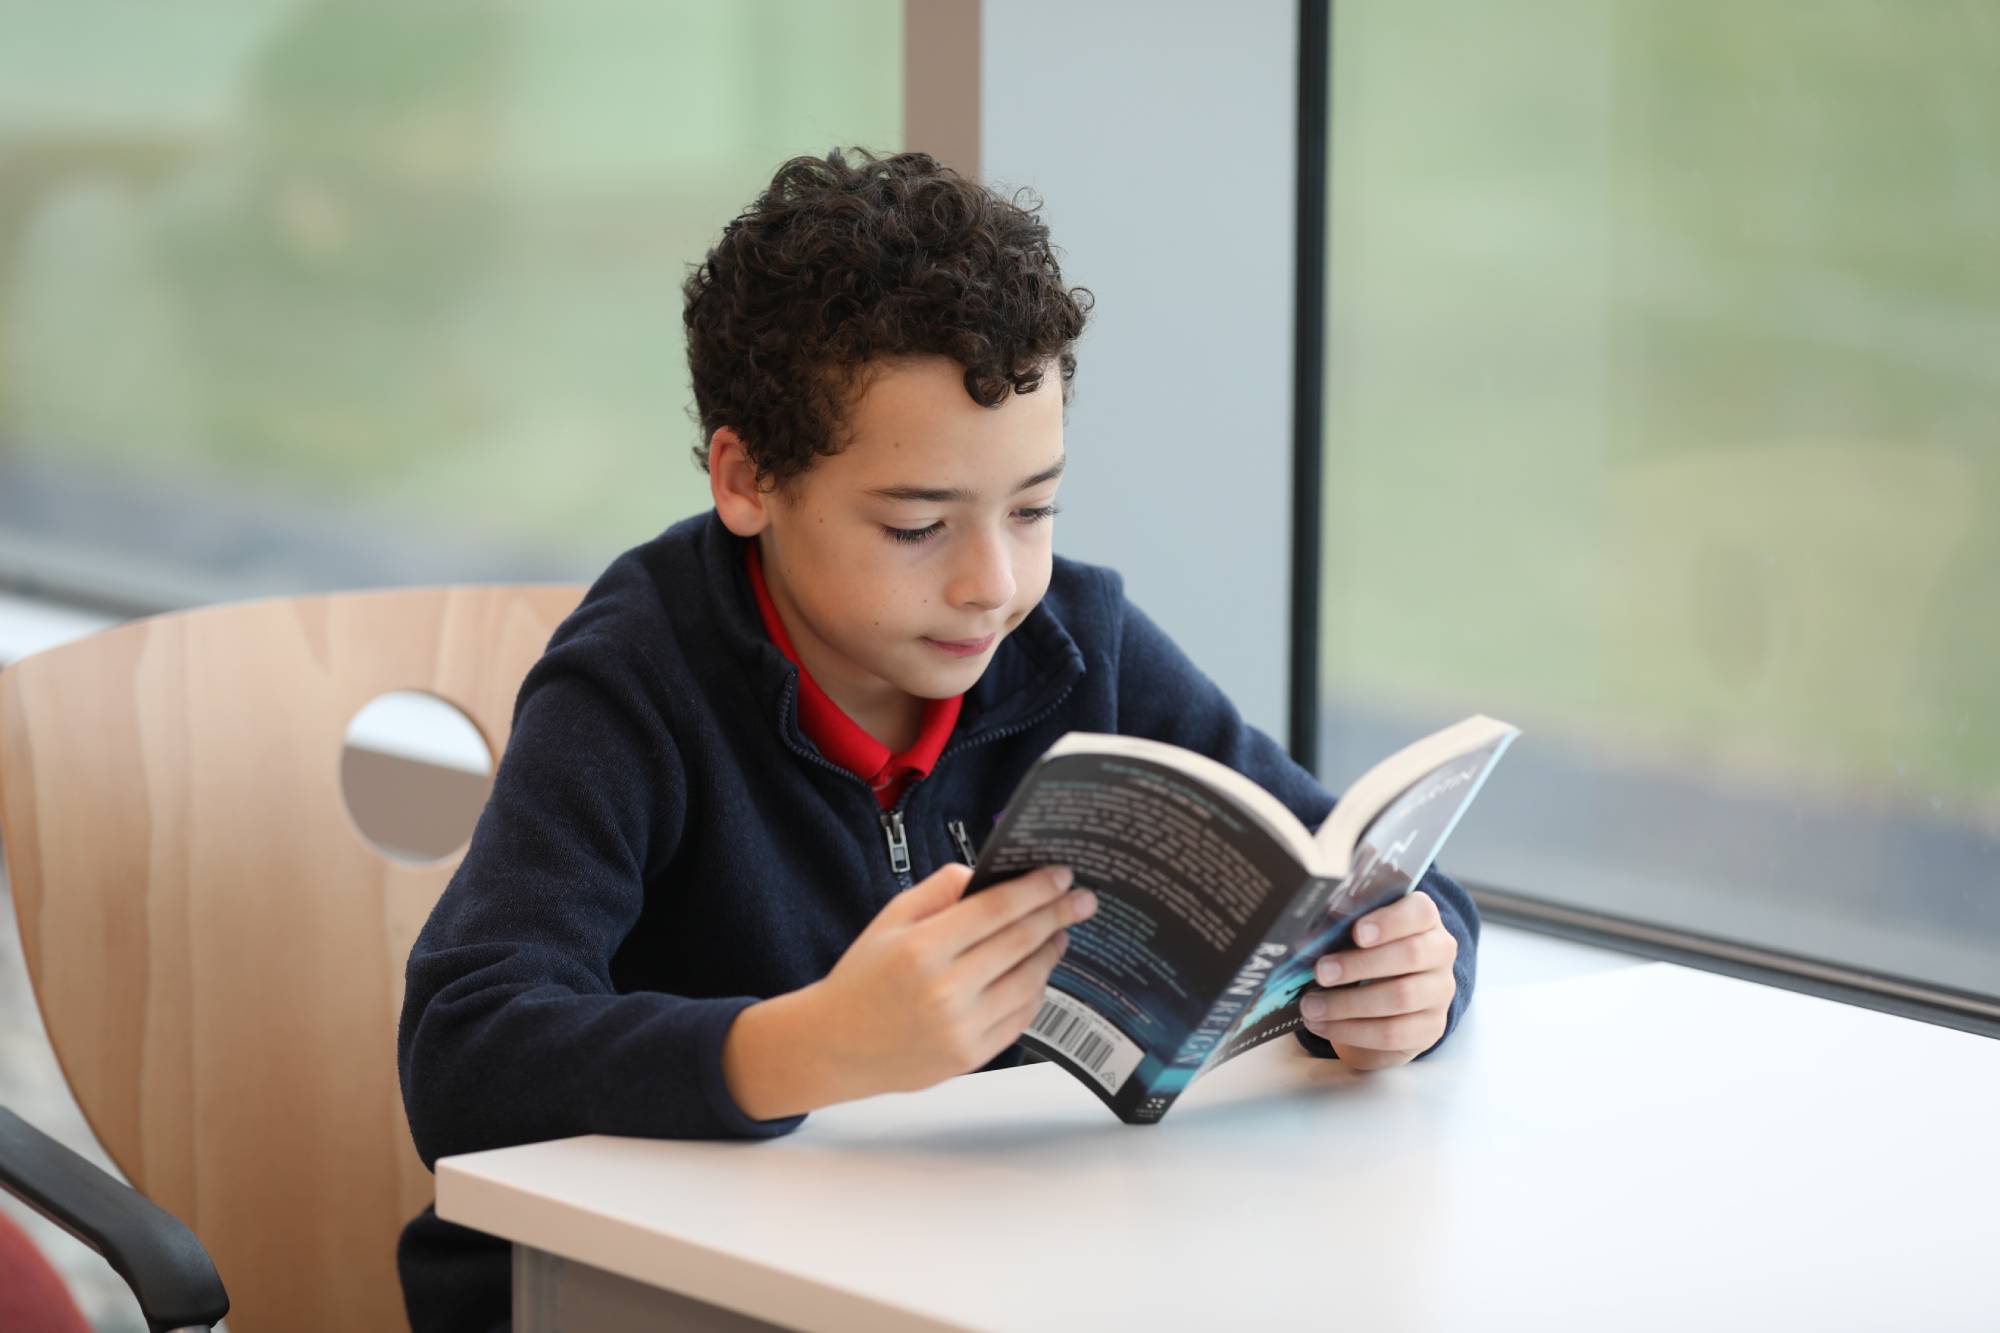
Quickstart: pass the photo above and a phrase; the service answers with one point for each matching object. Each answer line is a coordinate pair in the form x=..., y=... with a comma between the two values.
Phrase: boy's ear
x=742, y=504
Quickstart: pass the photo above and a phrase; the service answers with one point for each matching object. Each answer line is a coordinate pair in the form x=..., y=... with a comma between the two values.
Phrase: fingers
x=1017, y=997
x=1019, y=990
x=1361, y=1057
x=1003, y=950
x=1403, y=1032
x=1402, y=1008
x=1411, y=994
x=1433, y=949
x=1411, y=914
x=928, y=896
x=965, y=924
x=1010, y=1027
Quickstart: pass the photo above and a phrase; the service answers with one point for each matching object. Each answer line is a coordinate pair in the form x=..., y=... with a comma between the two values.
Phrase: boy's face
x=899, y=563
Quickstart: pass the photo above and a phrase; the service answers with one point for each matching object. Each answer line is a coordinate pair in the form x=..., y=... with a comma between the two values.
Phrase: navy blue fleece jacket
x=664, y=847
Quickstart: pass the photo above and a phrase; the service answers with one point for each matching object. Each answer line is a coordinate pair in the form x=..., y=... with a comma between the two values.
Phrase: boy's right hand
x=938, y=984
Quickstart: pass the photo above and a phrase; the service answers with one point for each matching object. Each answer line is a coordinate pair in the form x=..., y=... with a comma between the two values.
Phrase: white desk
x=1645, y=1147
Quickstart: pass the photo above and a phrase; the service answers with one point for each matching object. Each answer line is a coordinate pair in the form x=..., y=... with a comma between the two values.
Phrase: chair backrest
x=217, y=951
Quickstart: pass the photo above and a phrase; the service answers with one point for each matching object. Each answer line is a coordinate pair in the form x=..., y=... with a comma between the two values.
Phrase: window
x=329, y=294
x=1663, y=419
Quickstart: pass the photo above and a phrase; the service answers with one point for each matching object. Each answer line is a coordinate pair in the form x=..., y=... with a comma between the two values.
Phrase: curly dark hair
x=841, y=263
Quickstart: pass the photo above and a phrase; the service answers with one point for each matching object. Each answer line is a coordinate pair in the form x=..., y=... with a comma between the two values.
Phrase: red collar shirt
x=837, y=735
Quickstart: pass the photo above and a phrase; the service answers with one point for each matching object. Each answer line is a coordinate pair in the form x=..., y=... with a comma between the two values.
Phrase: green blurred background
x=1664, y=385
x=1663, y=373
x=421, y=259
x=1663, y=379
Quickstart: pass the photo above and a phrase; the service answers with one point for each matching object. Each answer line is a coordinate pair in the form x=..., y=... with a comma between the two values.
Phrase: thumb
x=929, y=896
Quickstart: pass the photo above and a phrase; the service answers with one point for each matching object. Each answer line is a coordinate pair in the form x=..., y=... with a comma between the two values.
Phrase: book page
x=1272, y=813
x=1393, y=855
x=1372, y=792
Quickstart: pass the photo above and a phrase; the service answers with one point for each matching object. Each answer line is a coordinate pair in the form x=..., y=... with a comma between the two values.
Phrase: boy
x=719, y=881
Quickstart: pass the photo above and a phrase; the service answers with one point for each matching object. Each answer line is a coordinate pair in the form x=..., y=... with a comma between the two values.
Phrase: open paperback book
x=1214, y=901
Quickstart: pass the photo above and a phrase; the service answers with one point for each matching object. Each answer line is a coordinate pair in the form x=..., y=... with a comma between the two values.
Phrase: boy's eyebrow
x=958, y=494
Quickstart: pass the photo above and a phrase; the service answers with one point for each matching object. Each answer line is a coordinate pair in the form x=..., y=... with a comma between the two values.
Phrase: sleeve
x=1164, y=696
x=511, y=1029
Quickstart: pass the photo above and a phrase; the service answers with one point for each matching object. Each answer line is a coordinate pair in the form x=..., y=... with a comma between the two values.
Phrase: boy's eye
x=910, y=536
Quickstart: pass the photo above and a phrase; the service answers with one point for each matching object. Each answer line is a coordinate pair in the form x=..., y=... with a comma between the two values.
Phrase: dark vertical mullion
x=1308, y=372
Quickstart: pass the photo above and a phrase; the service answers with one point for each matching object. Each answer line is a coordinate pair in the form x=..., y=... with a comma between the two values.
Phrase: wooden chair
x=217, y=951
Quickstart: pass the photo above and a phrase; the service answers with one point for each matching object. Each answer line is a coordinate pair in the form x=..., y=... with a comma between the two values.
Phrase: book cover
x=1214, y=901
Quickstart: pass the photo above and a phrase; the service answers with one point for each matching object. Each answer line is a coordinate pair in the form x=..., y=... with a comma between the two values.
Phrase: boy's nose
x=984, y=578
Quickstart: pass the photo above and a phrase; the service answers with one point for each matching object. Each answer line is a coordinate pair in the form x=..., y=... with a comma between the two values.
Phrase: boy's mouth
x=961, y=647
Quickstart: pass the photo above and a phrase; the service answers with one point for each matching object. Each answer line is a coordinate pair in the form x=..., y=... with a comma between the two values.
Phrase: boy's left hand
x=1405, y=956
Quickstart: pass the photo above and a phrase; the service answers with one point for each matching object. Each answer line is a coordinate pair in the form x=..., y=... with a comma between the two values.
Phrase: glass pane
x=1664, y=421
x=354, y=292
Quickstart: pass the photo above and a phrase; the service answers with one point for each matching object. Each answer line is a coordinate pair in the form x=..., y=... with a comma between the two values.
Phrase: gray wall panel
x=1161, y=136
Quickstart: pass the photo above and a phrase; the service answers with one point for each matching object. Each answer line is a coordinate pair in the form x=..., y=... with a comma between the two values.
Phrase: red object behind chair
x=33, y=1296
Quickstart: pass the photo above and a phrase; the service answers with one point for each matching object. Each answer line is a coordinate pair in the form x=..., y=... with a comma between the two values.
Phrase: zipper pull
x=899, y=845
x=957, y=829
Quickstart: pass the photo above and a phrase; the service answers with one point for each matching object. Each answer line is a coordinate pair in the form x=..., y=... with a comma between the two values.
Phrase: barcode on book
x=1076, y=1030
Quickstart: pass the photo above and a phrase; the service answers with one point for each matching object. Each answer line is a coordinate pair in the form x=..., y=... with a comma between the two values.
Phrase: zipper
x=956, y=827
x=892, y=820
x=957, y=830
x=899, y=842
x=893, y=831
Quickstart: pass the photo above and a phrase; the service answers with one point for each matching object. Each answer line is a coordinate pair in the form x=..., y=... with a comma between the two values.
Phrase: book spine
x=1294, y=946
x=1248, y=985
